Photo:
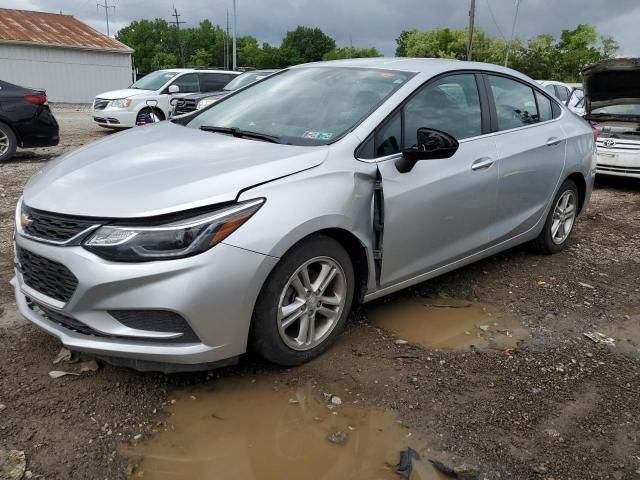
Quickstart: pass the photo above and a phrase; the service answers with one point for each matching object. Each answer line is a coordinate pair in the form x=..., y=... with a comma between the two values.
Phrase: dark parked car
x=25, y=120
x=196, y=101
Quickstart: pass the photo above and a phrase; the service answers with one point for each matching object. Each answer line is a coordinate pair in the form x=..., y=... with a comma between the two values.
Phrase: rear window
x=214, y=82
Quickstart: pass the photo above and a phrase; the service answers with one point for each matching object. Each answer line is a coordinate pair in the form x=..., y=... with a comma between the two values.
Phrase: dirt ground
x=558, y=406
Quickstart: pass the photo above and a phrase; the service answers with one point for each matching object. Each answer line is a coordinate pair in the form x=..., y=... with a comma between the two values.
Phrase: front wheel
x=560, y=221
x=304, y=303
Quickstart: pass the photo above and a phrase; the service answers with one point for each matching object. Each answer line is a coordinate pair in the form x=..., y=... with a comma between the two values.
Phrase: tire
x=552, y=240
x=8, y=142
x=282, y=345
x=155, y=113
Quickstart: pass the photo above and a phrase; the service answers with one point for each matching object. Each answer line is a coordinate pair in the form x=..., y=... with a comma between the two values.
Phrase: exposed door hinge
x=377, y=254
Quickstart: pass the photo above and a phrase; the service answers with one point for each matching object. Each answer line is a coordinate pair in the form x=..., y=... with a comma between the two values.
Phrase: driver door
x=439, y=211
x=187, y=83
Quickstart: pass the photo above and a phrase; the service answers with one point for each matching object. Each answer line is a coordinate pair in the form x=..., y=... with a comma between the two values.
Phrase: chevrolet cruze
x=257, y=222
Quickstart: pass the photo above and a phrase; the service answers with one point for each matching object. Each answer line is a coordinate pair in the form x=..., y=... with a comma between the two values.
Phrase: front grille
x=185, y=106
x=61, y=319
x=55, y=227
x=618, y=144
x=618, y=169
x=46, y=276
x=100, y=103
x=157, y=321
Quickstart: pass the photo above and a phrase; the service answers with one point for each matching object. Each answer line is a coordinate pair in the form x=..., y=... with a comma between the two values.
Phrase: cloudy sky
x=367, y=22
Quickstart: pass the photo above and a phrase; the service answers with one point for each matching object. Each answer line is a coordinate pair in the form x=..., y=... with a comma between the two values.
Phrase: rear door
x=531, y=146
x=439, y=211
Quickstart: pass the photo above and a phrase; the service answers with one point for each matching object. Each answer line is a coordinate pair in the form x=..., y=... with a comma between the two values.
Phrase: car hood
x=612, y=82
x=124, y=93
x=161, y=168
x=201, y=95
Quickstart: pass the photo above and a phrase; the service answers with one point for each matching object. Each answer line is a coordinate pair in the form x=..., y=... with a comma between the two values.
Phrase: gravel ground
x=561, y=407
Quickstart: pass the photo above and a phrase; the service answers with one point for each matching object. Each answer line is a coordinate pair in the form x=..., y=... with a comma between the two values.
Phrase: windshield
x=626, y=110
x=305, y=106
x=154, y=80
x=244, y=80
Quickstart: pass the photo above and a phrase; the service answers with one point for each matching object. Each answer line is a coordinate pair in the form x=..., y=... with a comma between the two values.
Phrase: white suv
x=150, y=96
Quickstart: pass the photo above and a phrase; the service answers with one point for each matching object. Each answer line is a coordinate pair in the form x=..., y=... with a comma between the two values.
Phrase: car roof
x=428, y=66
x=197, y=70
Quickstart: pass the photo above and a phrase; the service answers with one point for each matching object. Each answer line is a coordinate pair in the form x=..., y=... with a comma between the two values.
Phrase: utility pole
x=177, y=24
x=235, y=45
x=106, y=7
x=513, y=31
x=177, y=21
x=472, y=21
x=226, y=45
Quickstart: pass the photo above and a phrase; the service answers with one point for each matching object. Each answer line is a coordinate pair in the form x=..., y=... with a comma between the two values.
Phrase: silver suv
x=257, y=222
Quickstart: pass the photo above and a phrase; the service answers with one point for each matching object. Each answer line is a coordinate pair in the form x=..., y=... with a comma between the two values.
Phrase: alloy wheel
x=4, y=143
x=311, y=303
x=564, y=216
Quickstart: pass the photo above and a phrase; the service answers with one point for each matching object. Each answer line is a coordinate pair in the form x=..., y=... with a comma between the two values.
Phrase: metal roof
x=52, y=29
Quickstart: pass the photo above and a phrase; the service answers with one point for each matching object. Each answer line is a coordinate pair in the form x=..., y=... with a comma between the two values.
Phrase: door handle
x=552, y=142
x=482, y=163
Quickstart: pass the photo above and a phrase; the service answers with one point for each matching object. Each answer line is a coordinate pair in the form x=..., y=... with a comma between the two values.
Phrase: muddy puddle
x=261, y=430
x=448, y=324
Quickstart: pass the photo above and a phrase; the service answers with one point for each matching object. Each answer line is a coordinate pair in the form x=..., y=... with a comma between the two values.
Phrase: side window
x=515, y=103
x=550, y=89
x=388, y=138
x=562, y=93
x=188, y=83
x=544, y=107
x=213, y=82
x=451, y=104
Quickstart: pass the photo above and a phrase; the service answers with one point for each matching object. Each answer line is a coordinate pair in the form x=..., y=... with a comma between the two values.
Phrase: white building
x=58, y=53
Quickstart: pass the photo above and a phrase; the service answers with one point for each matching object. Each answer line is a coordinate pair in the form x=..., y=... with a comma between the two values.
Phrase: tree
x=201, y=58
x=401, y=42
x=351, y=52
x=164, y=60
x=542, y=57
x=306, y=44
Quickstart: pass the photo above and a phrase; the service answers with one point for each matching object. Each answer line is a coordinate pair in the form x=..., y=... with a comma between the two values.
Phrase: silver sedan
x=258, y=221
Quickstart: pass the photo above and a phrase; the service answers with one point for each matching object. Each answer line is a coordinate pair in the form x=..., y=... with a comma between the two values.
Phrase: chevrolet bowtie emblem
x=25, y=221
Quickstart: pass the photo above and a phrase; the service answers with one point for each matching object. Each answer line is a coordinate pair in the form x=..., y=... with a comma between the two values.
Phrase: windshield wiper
x=236, y=132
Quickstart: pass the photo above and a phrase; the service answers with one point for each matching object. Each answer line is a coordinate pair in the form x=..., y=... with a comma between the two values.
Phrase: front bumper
x=214, y=292
x=114, y=118
x=619, y=163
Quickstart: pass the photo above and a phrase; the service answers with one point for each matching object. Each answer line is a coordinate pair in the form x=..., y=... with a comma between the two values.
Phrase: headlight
x=121, y=103
x=180, y=239
x=205, y=102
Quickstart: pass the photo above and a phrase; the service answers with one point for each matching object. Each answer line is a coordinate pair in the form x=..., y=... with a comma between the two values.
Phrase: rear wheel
x=8, y=142
x=304, y=303
x=560, y=221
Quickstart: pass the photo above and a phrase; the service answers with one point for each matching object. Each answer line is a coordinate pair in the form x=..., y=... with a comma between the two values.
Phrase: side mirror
x=431, y=144
x=173, y=89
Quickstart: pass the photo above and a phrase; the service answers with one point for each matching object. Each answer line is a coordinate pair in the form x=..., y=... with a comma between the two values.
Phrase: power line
x=106, y=7
x=494, y=20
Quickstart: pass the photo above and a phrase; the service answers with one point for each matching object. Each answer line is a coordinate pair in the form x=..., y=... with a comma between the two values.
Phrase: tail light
x=595, y=134
x=38, y=99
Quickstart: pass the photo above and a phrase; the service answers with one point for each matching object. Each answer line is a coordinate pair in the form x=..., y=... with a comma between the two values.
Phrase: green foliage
x=307, y=44
x=542, y=57
x=351, y=52
x=160, y=45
